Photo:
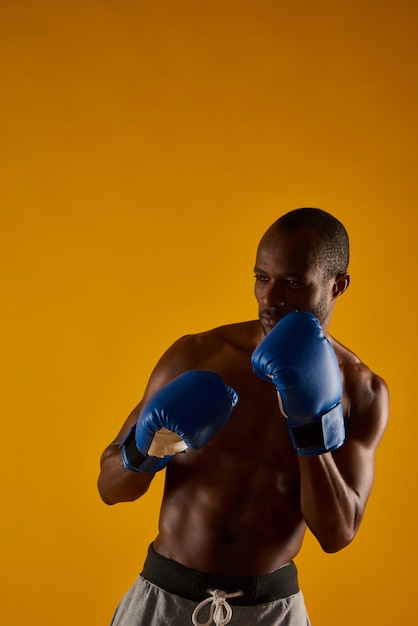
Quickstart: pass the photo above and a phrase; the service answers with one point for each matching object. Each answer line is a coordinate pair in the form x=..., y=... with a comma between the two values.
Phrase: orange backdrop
x=146, y=146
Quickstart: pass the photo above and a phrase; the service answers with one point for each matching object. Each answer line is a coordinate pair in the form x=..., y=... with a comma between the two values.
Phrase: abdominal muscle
x=229, y=516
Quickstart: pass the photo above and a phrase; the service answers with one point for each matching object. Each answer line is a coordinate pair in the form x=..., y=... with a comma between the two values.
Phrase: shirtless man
x=237, y=504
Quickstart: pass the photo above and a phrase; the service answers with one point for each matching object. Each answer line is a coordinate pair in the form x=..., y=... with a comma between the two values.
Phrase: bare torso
x=241, y=505
x=234, y=506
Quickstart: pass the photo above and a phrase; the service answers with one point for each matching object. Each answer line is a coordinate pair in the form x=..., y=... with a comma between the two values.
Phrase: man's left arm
x=336, y=451
x=335, y=486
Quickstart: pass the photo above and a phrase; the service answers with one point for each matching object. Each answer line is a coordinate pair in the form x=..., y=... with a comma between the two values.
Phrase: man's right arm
x=183, y=407
x=115, y=482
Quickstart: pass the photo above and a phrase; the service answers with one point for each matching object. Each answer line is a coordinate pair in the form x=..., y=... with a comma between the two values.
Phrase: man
x=280, y=423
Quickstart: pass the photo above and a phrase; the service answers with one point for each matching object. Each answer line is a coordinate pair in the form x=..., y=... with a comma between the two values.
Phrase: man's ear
x=341, y=284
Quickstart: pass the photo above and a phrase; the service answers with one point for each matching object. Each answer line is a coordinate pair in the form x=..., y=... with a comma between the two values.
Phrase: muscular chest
x=256, y=427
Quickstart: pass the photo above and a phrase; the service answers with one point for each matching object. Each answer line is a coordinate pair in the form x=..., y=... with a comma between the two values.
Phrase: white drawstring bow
x=220, y=611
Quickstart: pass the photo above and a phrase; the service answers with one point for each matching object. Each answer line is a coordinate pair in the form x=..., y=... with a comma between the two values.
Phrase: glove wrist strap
x=134, y=460
x=325, y=434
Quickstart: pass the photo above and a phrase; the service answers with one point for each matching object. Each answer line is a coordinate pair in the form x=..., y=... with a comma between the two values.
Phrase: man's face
x=289, y=277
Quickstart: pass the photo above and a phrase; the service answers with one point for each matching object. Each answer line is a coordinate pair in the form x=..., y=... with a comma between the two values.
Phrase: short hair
x=335, y=253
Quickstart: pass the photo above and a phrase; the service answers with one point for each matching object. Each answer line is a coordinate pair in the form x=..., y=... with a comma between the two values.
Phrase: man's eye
x=261, y=277
x=294, y=283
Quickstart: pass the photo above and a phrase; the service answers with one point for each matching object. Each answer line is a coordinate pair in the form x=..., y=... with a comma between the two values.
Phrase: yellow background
x=145, y=147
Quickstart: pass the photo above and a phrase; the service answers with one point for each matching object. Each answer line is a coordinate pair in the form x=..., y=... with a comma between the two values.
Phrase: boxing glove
x=300, y=361
x=185, y=413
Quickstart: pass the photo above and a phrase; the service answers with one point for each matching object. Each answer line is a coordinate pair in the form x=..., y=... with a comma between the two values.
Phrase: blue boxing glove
x=298, y=358
x=186, y=413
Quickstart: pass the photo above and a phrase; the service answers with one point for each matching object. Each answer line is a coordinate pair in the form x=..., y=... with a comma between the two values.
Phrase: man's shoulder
x=351, y=362
x=364, y=386
x=240, y=335
x=213, y=349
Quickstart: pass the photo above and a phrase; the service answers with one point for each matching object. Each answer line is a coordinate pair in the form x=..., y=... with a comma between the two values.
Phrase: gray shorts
x=263, y=601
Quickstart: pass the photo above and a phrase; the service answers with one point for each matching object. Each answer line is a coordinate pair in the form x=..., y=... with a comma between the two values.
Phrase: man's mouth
x=270, y=318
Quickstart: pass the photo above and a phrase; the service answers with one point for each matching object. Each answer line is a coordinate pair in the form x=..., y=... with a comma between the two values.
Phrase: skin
x=241, y=505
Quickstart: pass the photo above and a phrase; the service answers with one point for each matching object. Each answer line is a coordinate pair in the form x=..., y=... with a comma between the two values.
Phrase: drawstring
x=220, y=610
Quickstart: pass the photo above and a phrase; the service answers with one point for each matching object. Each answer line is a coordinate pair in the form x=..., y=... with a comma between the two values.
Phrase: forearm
x=330, y=507
x=117, y=484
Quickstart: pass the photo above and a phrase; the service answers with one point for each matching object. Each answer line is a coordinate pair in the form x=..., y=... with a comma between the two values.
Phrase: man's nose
x=273, y=295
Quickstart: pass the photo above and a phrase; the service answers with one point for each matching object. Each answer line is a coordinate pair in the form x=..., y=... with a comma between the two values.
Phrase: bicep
x=364, y=429
x=175, y=361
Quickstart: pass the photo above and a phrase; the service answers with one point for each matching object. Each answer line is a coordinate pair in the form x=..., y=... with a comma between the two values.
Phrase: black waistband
x=193, y=585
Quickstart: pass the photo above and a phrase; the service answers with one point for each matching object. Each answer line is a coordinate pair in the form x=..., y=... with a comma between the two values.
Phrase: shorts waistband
x=193, y=585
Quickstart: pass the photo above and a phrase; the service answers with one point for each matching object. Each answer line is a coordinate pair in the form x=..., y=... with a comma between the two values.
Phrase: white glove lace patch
x=166, y=443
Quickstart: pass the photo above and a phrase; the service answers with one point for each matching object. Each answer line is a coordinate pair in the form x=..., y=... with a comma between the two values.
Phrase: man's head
x=334, y=249
x=302, y=263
